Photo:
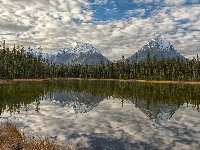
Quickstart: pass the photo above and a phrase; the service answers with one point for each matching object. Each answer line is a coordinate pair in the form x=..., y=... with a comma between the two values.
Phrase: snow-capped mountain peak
x=163, y=43
x=83, y=53
x=159, y=47
x=85, y=48
x=64, y=50
x=160, y=43
x=32, y=52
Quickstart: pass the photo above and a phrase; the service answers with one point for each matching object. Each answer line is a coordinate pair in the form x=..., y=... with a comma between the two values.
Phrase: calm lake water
x=108, y=115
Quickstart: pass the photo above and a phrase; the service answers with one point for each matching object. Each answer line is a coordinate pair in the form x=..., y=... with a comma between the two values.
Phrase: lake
x=108, y=115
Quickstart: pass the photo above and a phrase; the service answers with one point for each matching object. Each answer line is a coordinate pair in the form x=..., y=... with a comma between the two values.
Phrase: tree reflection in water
x=157, y=101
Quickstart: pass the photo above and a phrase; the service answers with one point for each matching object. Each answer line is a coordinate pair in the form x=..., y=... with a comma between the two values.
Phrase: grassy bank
x=11, y=138
x=121, y=80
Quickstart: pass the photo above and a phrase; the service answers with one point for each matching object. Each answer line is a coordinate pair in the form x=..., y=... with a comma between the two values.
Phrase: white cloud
x=138, y=12
x=50, y=24
x=191, y=13
x=156, y=1
x=100, y=2
x=143, y=1
x=195, y=1
x=175, y=2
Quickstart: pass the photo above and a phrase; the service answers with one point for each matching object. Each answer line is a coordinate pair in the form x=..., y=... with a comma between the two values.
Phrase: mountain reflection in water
x=159, y=113
x=81, y=102
x=157, y=101
x=84, y=102
x=107, y=115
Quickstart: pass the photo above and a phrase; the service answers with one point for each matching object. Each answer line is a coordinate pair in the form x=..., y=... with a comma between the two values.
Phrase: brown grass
x=12, y=139
x=121, y=80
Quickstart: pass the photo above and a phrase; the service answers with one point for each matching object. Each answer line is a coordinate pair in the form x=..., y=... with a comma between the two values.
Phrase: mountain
x=83, y=53
x=32, y=52
x=160, y=47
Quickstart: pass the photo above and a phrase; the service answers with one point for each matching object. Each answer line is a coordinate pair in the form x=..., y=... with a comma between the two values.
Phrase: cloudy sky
x=114, y=27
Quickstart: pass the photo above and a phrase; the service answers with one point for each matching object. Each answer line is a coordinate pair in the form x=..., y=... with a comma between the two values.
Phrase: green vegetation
x=15, y=64
x=15, y=96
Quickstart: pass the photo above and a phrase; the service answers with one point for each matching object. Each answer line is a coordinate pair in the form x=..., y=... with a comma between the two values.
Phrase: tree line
x=14, y=63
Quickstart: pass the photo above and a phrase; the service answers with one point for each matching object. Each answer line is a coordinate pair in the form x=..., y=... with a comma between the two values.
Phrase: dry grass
x=12, y=139
x=122, y=80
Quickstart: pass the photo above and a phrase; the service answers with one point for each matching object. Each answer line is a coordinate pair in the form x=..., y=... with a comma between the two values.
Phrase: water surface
x=106, y=114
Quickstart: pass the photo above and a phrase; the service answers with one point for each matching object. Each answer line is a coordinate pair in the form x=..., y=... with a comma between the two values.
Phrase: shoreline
x=95, y=79
x=13, y=138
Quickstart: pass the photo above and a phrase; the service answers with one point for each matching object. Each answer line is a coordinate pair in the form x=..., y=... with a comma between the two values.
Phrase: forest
x=14, y=63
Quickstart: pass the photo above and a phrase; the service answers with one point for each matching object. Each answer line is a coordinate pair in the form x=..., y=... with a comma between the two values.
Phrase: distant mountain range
x=85, y=53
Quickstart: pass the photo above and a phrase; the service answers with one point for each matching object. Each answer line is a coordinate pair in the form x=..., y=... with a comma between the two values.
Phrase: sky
x=114, y=27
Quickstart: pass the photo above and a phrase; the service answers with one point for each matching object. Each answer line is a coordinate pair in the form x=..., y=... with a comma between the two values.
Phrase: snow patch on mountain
x=160, y=47
x=85, y=48
x=83, y=53
x=159, y=43
x=80, y=48
x=32, y=52
x=64, y=50
x=163, y=43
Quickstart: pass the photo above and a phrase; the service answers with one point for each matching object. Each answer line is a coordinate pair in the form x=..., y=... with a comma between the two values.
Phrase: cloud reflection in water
x=111, y=126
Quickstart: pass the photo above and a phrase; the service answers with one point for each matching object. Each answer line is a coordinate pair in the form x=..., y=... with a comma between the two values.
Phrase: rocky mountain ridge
x=159, y=47
x=85, y=53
